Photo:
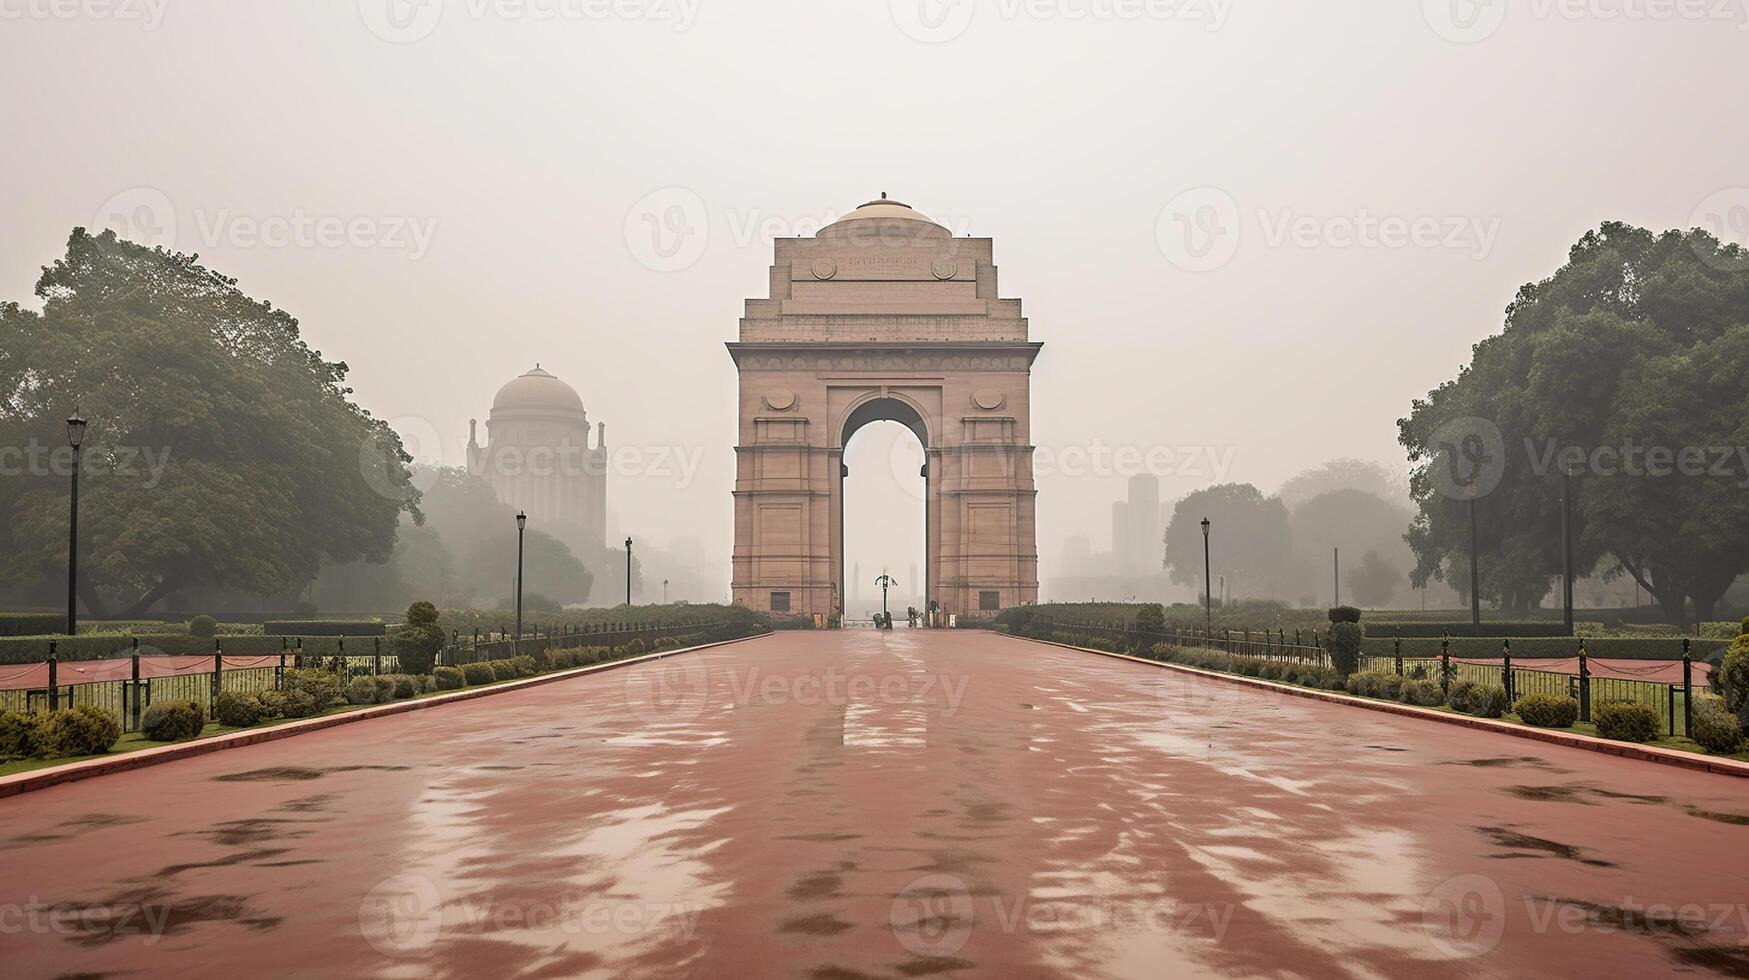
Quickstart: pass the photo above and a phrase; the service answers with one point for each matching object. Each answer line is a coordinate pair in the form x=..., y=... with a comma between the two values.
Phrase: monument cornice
x=824, y=355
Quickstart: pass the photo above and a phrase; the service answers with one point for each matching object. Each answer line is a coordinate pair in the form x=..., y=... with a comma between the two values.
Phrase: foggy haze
x=445, y=204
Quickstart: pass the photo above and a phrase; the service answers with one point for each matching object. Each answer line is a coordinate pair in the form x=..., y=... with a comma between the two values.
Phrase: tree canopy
x=1629, y=367
x=222, y=450
x=1251, y=543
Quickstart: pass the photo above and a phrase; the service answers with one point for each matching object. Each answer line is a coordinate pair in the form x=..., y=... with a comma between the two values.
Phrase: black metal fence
x=128, y=686
x=1673, y=702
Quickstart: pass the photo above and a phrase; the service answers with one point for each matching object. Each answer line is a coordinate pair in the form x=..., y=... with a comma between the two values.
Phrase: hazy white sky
x=482, y=169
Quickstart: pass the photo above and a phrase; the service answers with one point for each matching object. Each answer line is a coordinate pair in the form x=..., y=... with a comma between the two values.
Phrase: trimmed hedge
x=1716, y=729
x=1533, y=648
x=1547, y=710
x=172, y=721
x=237, y=710
x=31, y=624
x=1626, y=721
x=106, y=646
x=1516, y=628
x=324, y=627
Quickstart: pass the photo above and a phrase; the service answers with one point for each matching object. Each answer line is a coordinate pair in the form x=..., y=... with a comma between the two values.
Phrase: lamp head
x=521, y=520
x=76, y=430
x=1205, y=527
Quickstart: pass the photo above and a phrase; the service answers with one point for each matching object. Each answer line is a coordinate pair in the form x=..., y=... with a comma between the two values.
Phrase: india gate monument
x=884, y=316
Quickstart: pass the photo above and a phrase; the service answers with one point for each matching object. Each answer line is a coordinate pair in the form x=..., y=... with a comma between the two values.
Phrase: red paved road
x=858, y=804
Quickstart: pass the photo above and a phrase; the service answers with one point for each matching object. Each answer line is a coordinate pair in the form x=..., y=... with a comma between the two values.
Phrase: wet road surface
x=883, y=805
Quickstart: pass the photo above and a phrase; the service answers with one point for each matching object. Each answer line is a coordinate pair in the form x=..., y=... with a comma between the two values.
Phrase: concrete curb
x=1574, y=740
x=39, y=779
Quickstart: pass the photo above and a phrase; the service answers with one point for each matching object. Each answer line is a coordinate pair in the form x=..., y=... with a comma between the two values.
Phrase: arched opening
x=884, y=509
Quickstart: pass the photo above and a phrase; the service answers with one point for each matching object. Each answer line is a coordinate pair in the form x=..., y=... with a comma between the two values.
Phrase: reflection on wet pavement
x=873, y=804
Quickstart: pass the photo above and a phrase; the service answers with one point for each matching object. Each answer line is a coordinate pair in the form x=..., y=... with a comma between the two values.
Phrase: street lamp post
x=76, y=439
x=1475, y=570
x=1208, y=582
x=664, y=592
x=628, y=572
x=521, y=525
x=1567, y=548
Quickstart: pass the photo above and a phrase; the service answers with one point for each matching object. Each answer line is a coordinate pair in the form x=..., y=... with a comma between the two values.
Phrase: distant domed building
x=538, y=458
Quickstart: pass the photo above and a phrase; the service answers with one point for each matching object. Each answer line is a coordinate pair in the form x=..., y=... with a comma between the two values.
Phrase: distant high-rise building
x=1144, y=554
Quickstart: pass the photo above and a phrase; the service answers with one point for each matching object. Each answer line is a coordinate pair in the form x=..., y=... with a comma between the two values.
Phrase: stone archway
x=884, y=315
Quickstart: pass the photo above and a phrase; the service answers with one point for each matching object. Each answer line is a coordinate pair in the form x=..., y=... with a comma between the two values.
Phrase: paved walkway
x=882, y=805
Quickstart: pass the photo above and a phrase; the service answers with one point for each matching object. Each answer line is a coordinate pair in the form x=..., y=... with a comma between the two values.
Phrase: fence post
x=1584, y=683
x=135, y=657
x=54, y=688
x=1445, y=663
x=218, y=676
x=341, y=667
x=298, y=657
x=1397, y=652
x=376, y=656
x=279, y=671
x=1506, y=670
x=1687, y=691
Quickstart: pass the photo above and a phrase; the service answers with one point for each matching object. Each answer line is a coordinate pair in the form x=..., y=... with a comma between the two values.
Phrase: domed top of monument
x=537, y=391
x=885, y=209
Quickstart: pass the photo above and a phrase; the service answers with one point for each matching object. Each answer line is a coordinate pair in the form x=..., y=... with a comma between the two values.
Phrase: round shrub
x=271, y=704
x=172, y=721
x=1355, y=684
x=1345, y=614
x=406, y=686
x=1461, y=696
x=203, y=626
x=85, y=730
x=1547, y=710
x=1490, y=702
x=1270, y=671
x=478, y=673
x=237, y=710
x=385, y=688
x=422, y=614
x=300, y=704
x=1424, y=693
x=525, y=666
x=1626, y=721
x=637, y=648
x=18, y=735
x=323, y=686
x=1715, y=728
x=362, y=690
x=1388, y=686
x=1731, y=678
x=449, y=678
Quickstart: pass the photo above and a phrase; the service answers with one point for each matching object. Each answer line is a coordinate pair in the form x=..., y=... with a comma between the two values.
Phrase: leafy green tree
x=1374, y=581
x=1251, y=541
x=1639, y=340
x=260, y=469
x=1357, y=522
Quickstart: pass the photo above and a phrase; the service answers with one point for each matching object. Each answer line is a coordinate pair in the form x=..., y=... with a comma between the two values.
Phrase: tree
x=223, y=451
x=1251, y=545
x=1640, y=340
x=1346, y=473
x=1355, y=521
x=1374, y=581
